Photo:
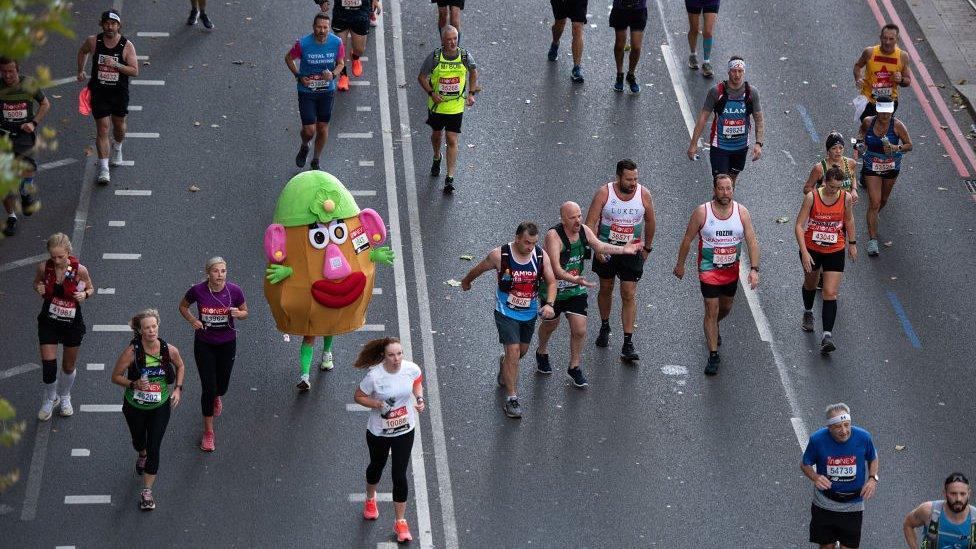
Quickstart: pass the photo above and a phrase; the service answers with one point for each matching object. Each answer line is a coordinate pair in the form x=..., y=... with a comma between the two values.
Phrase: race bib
x=317, y=82
x=360, y=242
x=352, y=3
x=14, y=112
x=841, y=469
x=823, y=238
x=883, y=84
x=565, y=284
x=449, y=85
x=733, y=128
x=396, y=420
x=620, y=234
x=213, y=317
x=106, y=68
x=152, y=395
x=518, y=302
x=882, y=165
x=724, y=256
x=63, y=310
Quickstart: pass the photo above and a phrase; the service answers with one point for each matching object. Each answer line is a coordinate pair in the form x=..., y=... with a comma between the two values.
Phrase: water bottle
x=886, y=144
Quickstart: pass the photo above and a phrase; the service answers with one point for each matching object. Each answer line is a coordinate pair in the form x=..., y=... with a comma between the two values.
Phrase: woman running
x=219, y=303
x=64, y=284
x=152, y=373
x=835, y=158
x=394, y=393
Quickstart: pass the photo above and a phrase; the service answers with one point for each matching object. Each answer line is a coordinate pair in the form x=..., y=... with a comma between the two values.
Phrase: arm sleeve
x=190, y=296
x=296, y=50
x=39, y=96
x=711, y=98
x=756, y=105
x=810, y=454
x=870, y=452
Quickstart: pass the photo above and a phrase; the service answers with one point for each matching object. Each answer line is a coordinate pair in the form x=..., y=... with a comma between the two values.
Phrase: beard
x=723, y=200
x=958, y=506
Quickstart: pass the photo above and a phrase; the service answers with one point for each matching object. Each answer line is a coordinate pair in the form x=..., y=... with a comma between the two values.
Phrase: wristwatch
x=420, y=399
x=648, y=249
x=875, y=477
x=759, y=143
x=755, y=268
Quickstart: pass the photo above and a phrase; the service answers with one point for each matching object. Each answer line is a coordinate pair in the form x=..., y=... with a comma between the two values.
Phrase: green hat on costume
x=314, y=197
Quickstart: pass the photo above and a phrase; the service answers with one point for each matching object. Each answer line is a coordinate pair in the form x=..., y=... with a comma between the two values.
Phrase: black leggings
x=381, y=447
x=147, y=428
x=214, y=364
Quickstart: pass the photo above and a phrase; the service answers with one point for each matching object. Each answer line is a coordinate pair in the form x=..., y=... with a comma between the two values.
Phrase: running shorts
x=727, y=162
x=887, y=174
x=105, y=103
x=450, y=122
x=64, y=333
x=574, y=10
x=445, y=3
x=355, y=22
x=828, y=527
x=511, y=331
x=833, y=261
x=315, y=107
x=715, y=291
x=702, y=6
x=628, y=268
x=575, y=305
x=622, y=18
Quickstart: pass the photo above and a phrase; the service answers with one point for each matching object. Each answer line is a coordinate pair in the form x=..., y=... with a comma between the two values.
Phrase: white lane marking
x=353, y=407
x=116, y=223
x=363, y=58
x=363, y=193
x=142, y=135
x=789, y=156
x=353, y=135
x=56, y=164
x=111, y=328
x=446, y=495
x=128, y=163
x=95, y=366
x=387, y=545
x=373, y=328
x=64, y=547
x=137, y=82
x=61, y=81
x=121, y=256
x=359, y=82
x=17, y=370
x=418, y=461
x=377, y=291
x=364, y=108
x=87, y=500
x=80, y=452
x=141, y=58
x=133, y=192
x=106, y=291
x=21, y=262
x=101, y=408
x=135, y=107
x=366, y=163
x=679, y=86
x=152, y=34
x=801, y=432
x=361, y=497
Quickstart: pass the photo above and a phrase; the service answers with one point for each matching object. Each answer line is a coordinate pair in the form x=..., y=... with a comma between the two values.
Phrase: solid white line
x=448, y=520
x=418, y=461
x=373, y=328
x=679, y=87
x=133, y=192
x=366, y=163
x=363, y=58
x=363, y=193
x=150, y=34
x=142, y=135
x=56, y=164
x=135, y=107
x=361, y=497
x=116, y=223
x=94, y=366
x=111, y=328
x=364, y=108
x=80, y=452
x=101, y=407
x=106, y=291
x=83, y=500
x=61, y=81
x=353, y=135
x=353, y=407
x=21, y=262
x=377, y=291
x=17, y=370
x=121, y=256
x=359, y=82
x=137, y=82
x=801, y=432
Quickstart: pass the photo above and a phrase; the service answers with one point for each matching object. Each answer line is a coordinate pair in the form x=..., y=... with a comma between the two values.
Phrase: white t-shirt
x=398, y=416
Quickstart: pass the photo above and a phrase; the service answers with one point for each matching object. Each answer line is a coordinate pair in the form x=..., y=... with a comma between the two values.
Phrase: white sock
x=828, y=334
x=65, y=382
x=103, y=163
x=116, y=145
x=512, y=397
x=50, y=391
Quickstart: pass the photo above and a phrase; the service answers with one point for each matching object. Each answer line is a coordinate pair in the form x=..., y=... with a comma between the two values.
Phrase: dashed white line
x=121, y=256
x=106, y=291
x=366, y=163
x=95, y=366
x=87, y=500
x=142, y=135
x=137, y=82
x=141, y=58
x=56, y=164
x=22, y=262
x=152, y=34
x=61, y=81
x=135, y=107
x=377, y=291
x=360, y=497
x=98, y=408
x=354, y=407
x=363, y=193
x=363, y=108
x=354, y=135
x=128, y=163
x=17, y=370
x=80, y=452
x=133, y=192
x=373, y=328
x=111, y=328
x=64, y=547
x=116, y=223
x=359, y=82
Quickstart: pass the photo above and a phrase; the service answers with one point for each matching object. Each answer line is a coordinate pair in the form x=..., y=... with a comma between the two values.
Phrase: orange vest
x=825, y=227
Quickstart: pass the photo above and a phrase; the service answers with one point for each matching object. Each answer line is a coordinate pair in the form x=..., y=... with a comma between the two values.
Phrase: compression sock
x=65, y=382
x=49, y=371
x=627, y=338
x=306, y=354
x=604, y=322
x=808, y=297
x=707, y=49
x=327, y=344
x=344, y=71
x=829, y=313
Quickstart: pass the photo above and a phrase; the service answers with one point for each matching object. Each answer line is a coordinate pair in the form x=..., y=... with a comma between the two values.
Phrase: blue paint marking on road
x=905, y=323
x=808, y=122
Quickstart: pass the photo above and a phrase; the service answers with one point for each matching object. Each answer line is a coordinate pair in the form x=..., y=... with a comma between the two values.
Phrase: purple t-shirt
x=213, y=309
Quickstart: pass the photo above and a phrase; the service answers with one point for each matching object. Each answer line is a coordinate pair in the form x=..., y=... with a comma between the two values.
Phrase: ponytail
x=372, y=352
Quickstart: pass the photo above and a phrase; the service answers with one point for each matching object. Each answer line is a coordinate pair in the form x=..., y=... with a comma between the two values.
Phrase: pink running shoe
x=370, y=512
x=402, y=530
x=207, y=443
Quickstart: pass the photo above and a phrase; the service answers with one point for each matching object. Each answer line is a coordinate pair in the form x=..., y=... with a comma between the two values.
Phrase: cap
x=111, y=15
x=834, y=138
x=884, y=103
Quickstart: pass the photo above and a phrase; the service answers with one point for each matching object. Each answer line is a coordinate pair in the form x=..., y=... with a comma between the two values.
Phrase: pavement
x=948, y=26
x=651, y=455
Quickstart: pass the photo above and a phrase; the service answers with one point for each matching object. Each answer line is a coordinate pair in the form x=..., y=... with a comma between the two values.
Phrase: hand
x=822, y=483
x=465, y=284
x=644, y=255
x=174, y=397
x=328, y=75
x=807, y=261
x=852, y=251
x=29, y=127
x=869, y=487
x=235, y=312
x=897, y=77
x=679, y=271
x=859, y=83
x=603, y=258
x=80, y=296
x=382, y=255
x=692, y=151
x=551, y=314
x=469, y=100
x=632, y=247
x=82, y=76
x=753, y=279
x=436, y=97
x=141, y=384
x=305, y=81
x=854, y=195
x=39, y=288
x=584, y=282
x=377, y=7
x=888, y=149
x=420, y=406
x=756, y=152
x=276, y=273
x=197, y=325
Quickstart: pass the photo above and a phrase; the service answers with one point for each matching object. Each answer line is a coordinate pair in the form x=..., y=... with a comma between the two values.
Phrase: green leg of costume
x=307, y=351
x=327, y=344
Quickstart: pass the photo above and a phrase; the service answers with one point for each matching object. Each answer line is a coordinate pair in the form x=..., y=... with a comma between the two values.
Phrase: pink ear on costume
x=274, y=243
x=375, y=228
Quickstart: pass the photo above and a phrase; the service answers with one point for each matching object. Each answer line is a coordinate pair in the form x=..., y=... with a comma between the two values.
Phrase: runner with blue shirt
x=320, y=56
x=949, y=523
x=841, y=461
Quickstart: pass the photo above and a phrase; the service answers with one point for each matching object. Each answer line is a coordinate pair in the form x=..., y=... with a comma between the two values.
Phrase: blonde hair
x=136, y=322
x=211, y=262
x=59, y=240
x=373, y=352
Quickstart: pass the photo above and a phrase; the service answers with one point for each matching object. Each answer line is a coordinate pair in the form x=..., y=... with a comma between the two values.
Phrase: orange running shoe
x=357, y=68
x=343, y=83
x=370, y=512
x=402, y=531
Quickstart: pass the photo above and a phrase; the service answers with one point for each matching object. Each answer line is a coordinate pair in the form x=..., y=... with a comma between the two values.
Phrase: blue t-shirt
x=314, y=59
x=844, y=464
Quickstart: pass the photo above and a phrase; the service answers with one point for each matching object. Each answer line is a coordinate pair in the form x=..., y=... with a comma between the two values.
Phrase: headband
x=839, y=419
x=737, y=64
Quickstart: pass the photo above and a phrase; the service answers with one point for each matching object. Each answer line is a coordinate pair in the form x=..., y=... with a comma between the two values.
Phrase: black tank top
x=105, y=77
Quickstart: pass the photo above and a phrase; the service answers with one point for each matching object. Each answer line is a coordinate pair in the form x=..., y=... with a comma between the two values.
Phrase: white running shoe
x=115, y=159
x=104, y=177
x=66, y=408
x=303, y=384
x=327, y=363
x=47, y=408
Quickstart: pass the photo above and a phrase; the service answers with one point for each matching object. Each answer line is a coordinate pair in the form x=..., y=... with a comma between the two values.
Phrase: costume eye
x=339, y=232
x=318, y=236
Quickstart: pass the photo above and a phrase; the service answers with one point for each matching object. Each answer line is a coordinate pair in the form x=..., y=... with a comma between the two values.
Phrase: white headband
x=839, y=419
x=737, y=64
x=114, y=17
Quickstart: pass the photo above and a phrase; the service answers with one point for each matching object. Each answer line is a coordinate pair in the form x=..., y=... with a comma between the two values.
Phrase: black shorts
x=315, y=107
x=702, y=6
x=871, y=109
x=622, y=18
x=833, y=261
x=887, y=174
x=450, y=122
x=511, y=331
x=574, y=10
x=53, y=333
x=628, y=268
x=22, y=144
x=105, y=103
x=727, y=162
x=715, y=291
x=445, y=3
x=575, y=305
x=827, y=527
x=356, y=21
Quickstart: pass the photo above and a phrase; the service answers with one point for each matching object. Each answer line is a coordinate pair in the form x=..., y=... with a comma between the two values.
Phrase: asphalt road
x=649, y=455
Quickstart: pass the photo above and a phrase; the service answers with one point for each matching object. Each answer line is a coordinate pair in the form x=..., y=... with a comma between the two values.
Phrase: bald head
x=449, y=38
x=572, y=217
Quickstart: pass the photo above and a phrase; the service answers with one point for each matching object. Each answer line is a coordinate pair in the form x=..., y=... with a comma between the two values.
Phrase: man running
x=721, y=226
x=734, y=103
x=449, y=76
x=627, y=14
x=842, y=463
x=113, y=63
x=698, y=10
x=19, y=123
x=449, y=13
x=885, y=69
x=573, y=243
x=949, y=523
x=619, y=212
x=321, y=59
x=575, y=11
x=521, y=267
x=352, y=24
x=198, y=10
x=824, y=228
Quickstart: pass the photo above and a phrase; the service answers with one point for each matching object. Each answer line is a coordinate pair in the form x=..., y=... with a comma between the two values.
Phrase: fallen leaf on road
x=783, y=219
x=57, y=96
x=467, y=257
x=888, y=244
x=894, y=278
x=470, y=145
x=145, y=63
x=783, y=58
x=899, y=447
x=215, y=125
x=454, y=283
x=238, y=62
x=944, y=127
x=527, y=101
x=193, y=188
x=942, y=188
x=196, y=123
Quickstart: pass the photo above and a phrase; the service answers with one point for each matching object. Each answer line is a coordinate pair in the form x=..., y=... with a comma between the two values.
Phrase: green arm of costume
x=276, y=273
x=382, y=254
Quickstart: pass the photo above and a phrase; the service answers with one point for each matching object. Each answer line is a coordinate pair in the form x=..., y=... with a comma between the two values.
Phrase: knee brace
x=49, y=371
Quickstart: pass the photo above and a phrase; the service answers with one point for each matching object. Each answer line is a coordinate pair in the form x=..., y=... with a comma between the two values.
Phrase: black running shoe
x=827, y=345
x=711, y=368
x=449, y=184
x=11, y=228
x=435, y=167
x=807, y=324
x=542, y=364
x=314, y=164
x=207, y=23
x=576, y=374
x=192, y=19
x=603, y=338
x=513, y=409
x=302, y=155
x=628, y=353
